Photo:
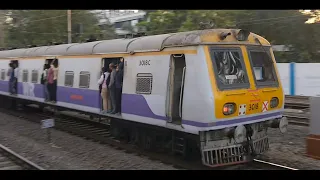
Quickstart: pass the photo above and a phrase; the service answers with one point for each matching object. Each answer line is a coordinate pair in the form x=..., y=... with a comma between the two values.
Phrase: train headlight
x=274, y=102
x=240, y=134
x=229, y=108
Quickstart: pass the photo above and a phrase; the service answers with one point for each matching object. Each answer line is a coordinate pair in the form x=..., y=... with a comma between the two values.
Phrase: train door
x=105, y=63
x=175, y=88
x=50, y=91
x=13, y=85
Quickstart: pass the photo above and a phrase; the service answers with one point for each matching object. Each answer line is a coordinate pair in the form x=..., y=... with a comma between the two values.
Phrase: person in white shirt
x=104, y=90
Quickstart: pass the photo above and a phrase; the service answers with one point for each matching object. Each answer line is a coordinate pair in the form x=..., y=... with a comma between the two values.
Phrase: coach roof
x=140, y=44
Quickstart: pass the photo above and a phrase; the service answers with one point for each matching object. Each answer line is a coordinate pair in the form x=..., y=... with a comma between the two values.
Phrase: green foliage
x=40, y=27
x=285, y=27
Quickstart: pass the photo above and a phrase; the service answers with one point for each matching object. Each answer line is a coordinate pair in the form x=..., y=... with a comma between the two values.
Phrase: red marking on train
x=252, y=90
x=76, y=97
x=255, y=100
x=265, y=106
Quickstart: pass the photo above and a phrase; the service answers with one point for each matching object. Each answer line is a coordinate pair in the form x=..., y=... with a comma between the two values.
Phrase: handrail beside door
x=181, y=92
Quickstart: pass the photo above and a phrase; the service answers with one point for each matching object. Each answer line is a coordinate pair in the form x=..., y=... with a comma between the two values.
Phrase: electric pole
x=69, y=27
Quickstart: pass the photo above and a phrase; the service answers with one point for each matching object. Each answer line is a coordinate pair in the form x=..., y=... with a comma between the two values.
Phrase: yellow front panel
x=252, y=98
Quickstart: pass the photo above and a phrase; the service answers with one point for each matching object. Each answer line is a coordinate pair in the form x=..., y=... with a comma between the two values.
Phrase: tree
x=168, y=21
x=286, y=27
x=40, y=27
x=3, y=17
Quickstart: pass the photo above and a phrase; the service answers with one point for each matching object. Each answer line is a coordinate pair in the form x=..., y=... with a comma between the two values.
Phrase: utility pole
x=69, y=27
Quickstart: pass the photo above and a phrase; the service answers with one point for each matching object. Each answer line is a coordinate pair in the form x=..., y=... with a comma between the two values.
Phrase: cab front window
x=230, y=71
x=262, y=66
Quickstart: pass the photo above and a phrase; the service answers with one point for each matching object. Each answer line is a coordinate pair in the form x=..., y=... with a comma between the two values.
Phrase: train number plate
x=253, y=106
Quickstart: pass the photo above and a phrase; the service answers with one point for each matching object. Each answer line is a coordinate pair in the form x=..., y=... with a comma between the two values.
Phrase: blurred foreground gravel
x=69, y=152
x=290, y=149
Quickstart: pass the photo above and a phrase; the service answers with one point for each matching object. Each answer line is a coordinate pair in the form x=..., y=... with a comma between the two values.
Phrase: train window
x=54, y=61
x=3, y=74
x=84, y=79
x=25, y=74
x=263, y=67
x=34, y=76
x=68, y=78
x=230, y=70
x=144, y=83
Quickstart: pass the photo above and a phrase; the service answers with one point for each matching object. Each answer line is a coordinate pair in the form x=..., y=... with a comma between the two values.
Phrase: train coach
x=213, y=93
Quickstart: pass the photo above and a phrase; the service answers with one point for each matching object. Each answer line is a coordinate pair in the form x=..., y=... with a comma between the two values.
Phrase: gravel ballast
x=290, y=148
x=69, y=152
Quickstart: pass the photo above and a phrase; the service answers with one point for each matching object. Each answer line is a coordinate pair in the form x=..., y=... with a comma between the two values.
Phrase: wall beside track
x=300, y=78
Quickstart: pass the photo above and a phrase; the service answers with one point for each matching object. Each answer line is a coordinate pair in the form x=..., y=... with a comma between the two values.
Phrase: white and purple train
x=171, y=89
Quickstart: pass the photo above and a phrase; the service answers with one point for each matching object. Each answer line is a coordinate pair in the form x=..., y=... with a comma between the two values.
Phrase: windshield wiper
x=270, y=59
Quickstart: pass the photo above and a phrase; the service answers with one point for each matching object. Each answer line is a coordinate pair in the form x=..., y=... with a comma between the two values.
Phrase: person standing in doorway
x=10, y=74
x=44, y=82
x=15, y=78
x=55, y=80
x=118, y=83
x=52, y=81
x=112, y=88
x=104, y=90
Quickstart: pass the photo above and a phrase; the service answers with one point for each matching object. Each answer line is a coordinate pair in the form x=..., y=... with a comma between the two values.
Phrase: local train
x=212, y=92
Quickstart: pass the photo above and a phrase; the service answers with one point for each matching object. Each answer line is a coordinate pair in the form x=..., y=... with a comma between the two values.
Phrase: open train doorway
x=105, y=64
x=175, y=88
x=50, y=83
x=13, y=77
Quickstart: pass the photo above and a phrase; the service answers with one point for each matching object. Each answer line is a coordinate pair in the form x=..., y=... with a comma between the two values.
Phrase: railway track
x=10, y=160
x=262, y=165
x=297, y=118
x=99, y=132
x=297, y=102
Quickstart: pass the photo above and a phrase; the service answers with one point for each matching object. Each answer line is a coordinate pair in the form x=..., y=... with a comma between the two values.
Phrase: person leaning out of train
x=112, y=88
x=44, y=82
x=118, y=84
x=104, y=90
x=52, y=81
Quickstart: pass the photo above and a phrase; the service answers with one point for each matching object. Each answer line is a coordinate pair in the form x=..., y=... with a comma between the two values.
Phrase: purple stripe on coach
x=229, y=122
x=4, y=86
x=136, y=104
x=90, y=97
x=131, y=104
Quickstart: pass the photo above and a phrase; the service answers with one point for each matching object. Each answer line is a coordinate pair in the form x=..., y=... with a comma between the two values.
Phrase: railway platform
x=313, y=139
